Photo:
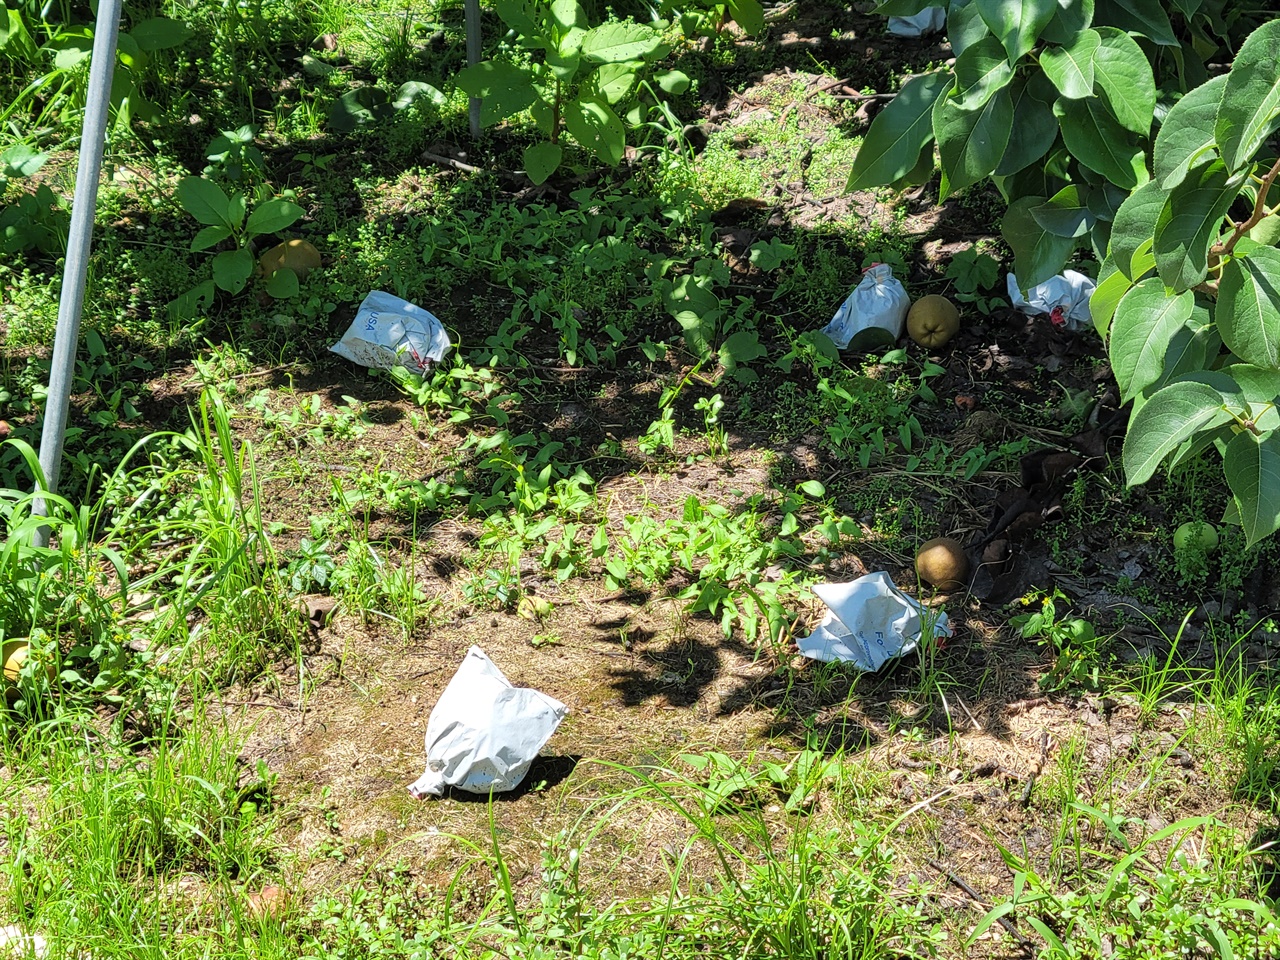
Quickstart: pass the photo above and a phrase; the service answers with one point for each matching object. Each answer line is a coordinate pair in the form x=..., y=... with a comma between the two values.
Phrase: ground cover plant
x=630, y=471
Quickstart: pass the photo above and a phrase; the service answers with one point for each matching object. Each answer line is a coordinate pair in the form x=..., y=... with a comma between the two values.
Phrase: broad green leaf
x=1095, y=138
x=282, y=284
x=1069, y=19
x=1135, y=224
x=771, y=255
x=160, y=33
x=21, y=160
x=1105, y=200
x=1070, y=67
x=1145, y=17
x=899, y=132
x=410, y=91
x=1123, y=72
x=1190, y=223
x=273, y=216
x=965, y=25
x=980, y=71
x=522, y=16
x=232, y=269
x=71, y=46
x=205, y=201
x=1065, y=214
x=672, y=81
x=1252, y=467
x=1250, y=108
x=1189, y=350
x=15, y=41
x=1258, y=385
x=1037, y=254
x=748, y=14
x=1112, y=286
x=741, y=348
x=1186, y=135
x=209, y=237
x=568, y=14
x=505, y=88
x=1248, y=311
x=1172, y=415
x=613, y=80
x=596, y=128
x=1017, y=23
x=1035, y=126
x=971, y=142
x=1145, y=322
x=615, y=42
x=541, y=160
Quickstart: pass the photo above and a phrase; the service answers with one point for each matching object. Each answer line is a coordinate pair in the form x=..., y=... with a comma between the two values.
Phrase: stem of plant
x=1260, y=211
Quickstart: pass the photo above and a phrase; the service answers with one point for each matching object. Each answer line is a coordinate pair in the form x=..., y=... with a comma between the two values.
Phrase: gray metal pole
x=472, y=10
x=79, y=237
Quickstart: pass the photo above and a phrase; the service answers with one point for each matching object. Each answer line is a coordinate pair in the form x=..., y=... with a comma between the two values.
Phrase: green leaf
x=1017, y=23
x=1070, y=67
x=980, y=71
x=1135, y=224
x=568, y=14
x=1250, y=108
x=1035, y=126
x=615, y=42
x=1252, y=467
x=899, y=132
x=596, y=128
x=1258, y=385
x=1146, y=320
x=1191, y=221
x=1112, y=286
x=408, y=92
x=748, y=14
x=971, y=142
x=505, y=89
x=160, y=33
x=965, y=25
x=1037, y=254
x=1095, y=138
x=1248, y=311
x=272, y=216
x=771, y=255
x=1123, y=72
x=541, y=160
x=1069, y=19
x=205, y=201
x=209, y=237
x=741, y=348
x=613, y=81
x=1065, y=213
x=1145, y=17
x=232, y=269
x=21, y=160
x=355, y=107
x=522, y=16
x=812, y=488
x=1172, y=415
x=1186, y=137
x=282, y=284
x=672, y=81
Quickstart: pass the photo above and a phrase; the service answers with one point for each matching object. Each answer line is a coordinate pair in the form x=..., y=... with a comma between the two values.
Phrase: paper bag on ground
x=389, y=332
x=1064, y=298
x=873, y=314
x=484, y=733
x=869, y=621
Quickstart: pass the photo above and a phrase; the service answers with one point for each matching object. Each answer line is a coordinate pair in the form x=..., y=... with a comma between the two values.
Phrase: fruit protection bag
x=389, y=332
x=484, y=734
x=873, y=314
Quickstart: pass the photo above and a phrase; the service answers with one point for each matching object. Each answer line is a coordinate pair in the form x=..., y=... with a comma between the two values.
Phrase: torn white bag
x=928, y=20
x=869, y=621
x=389, y=332
x=1064, y=298
x=484, y=733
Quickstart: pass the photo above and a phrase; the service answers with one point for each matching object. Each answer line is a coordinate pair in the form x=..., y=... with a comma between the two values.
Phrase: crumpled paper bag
x=389, y=332
x=873, y=314
x=1064, y=298
x=484, y=733
x=869, y=621
x=928, y=20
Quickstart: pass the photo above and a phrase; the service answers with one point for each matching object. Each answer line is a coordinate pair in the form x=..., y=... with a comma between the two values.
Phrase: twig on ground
x=972, y=894
x=1037, y=769
x=450, y=162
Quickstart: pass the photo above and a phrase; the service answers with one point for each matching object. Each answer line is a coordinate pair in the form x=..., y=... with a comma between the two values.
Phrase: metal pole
x=472, y=10
x=79, y=237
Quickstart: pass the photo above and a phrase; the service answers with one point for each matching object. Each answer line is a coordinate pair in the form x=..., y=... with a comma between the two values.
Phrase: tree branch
x=1220, y=250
